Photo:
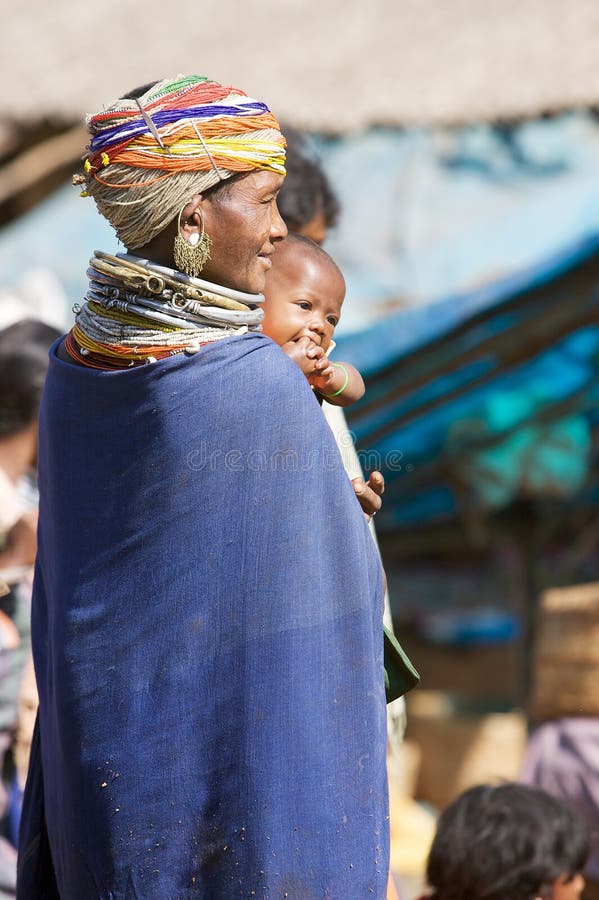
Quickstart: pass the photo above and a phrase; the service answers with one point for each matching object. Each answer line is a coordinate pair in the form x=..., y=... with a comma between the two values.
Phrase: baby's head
x=507, y=842
x=304, y=293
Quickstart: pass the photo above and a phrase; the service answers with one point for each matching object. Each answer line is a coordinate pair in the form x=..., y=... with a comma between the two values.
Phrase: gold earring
x=191, y=256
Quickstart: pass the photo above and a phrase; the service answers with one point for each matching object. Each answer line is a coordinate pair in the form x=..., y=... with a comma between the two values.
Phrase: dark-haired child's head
x=23, y=364
x=306, y=201
x=507, y=842
x=304, y=293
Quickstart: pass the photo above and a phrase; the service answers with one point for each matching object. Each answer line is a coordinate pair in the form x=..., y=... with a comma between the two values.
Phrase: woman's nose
x=278, y=229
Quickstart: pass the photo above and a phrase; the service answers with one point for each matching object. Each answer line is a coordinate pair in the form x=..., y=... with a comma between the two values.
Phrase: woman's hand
x=369, y=493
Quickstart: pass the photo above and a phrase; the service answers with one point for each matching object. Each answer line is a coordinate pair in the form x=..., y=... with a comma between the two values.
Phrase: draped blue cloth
x=207, y=641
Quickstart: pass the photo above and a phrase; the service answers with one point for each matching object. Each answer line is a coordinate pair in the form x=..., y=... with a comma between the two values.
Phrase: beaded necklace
x=137, y=312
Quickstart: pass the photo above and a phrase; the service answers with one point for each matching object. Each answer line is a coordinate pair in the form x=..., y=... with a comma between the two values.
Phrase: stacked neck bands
x=137, y=312
x=149, y=155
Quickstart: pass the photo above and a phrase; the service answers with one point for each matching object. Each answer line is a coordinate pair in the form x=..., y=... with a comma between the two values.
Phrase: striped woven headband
x=190, y=124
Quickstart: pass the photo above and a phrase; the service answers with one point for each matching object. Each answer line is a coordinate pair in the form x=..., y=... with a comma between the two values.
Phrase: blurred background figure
x=306, y=201
x=507, y=842
x=563, y=758
x=23, y=363
x=562, y=751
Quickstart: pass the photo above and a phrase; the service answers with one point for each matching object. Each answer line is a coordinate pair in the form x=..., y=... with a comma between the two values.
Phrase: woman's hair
x=23, y=365
x=504, y=842
x=306, y=190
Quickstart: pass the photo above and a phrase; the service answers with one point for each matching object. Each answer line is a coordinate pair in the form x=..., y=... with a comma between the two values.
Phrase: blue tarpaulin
x=495, y=401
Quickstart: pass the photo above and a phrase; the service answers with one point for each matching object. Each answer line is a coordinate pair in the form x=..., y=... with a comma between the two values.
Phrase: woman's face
x=243, y=222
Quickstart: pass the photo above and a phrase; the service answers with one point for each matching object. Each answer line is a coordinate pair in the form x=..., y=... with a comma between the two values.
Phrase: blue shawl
x=207, y=641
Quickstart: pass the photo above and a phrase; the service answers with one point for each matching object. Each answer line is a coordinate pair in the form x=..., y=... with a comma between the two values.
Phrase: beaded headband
x=187, y=125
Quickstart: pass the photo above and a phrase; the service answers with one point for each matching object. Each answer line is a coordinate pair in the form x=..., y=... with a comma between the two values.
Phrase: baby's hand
x=369, y=493
x=305, y=354
x=323, y=376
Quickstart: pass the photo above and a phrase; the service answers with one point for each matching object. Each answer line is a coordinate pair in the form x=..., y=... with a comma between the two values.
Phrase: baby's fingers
x=369, y=499
x=377, y=482
x=314, y=351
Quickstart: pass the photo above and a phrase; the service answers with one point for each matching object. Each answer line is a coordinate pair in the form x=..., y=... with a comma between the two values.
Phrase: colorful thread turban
x=148, y=156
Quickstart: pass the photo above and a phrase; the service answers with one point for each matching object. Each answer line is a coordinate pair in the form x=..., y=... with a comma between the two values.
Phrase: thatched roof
x=324, y=64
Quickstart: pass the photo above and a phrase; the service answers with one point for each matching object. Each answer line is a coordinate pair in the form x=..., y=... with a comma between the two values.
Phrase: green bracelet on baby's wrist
x=345, y=382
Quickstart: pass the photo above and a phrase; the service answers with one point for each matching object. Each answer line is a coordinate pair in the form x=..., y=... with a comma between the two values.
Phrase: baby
x=303, y=298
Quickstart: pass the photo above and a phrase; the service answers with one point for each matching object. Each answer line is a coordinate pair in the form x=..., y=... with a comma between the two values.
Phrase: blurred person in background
x=562, y=757
x=507, y=842
x=23, y=364
x=307, y=202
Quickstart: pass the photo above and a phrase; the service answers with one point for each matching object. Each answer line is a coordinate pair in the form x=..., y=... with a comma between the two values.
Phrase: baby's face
x=303, y=297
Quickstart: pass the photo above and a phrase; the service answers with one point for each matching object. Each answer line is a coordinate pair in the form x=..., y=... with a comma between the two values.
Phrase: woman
x=206, y=619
